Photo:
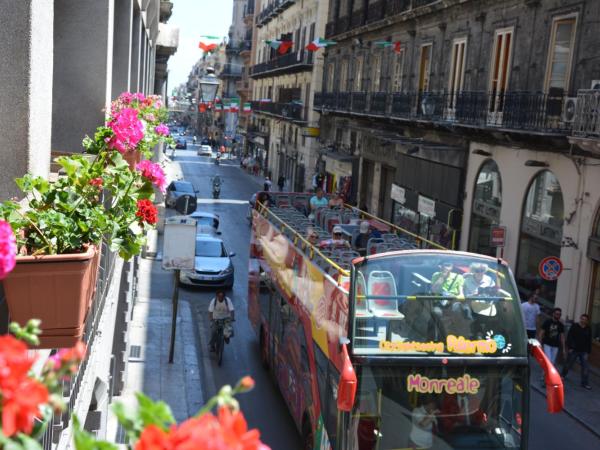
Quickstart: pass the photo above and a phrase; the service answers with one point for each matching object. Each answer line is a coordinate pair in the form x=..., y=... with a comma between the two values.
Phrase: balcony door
x=457, y=73
x=501, y=64
x=560, y=54
x=425, y=67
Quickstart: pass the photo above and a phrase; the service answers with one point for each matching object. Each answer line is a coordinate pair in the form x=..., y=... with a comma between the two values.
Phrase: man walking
x=552, y=335
x=579, y=343
x=531, y=311
x=281, y=183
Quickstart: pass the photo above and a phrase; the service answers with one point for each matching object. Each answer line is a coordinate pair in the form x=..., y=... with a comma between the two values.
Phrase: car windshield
x=440, y=303
x=184, y=187
x=466, y=408
x=210, y=248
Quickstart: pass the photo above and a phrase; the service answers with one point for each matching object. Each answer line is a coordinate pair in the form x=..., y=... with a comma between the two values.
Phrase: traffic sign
x=550, y=268
x=497, y=236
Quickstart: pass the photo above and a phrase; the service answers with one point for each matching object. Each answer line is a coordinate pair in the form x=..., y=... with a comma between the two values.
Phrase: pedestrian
x=281, y=182
x=552, y=336
x=579, y=344
x=267, y=184
x=531, y=311
x=337, y=201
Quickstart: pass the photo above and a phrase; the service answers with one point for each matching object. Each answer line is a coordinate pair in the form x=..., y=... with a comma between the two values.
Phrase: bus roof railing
x=297, y=237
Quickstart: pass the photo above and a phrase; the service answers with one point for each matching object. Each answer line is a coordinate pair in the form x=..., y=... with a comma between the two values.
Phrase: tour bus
x=408, y=346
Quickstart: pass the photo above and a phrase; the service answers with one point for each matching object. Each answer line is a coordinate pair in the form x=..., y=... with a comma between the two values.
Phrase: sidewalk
x=581, y=404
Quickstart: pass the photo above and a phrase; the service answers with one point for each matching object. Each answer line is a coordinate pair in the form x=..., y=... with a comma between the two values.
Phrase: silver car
x=212, y=267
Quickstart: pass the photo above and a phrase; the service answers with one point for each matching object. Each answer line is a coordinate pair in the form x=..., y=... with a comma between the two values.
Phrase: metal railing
x=520, y=110
x=290, y=111
x=281, y=63
x=586, y=112
x=273, y=9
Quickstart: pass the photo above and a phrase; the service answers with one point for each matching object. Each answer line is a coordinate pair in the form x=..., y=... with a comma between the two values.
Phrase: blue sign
x=550, y=268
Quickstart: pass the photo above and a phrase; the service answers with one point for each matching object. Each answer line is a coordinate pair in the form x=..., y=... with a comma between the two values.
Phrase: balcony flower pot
x=132, y=157
x=58, y=290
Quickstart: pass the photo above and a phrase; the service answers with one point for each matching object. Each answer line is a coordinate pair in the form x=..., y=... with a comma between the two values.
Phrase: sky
x=194, y=19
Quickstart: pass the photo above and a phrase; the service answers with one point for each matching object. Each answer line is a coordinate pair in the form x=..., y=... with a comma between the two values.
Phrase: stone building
x=462, y=116
x=68, y=60
x=283, y=118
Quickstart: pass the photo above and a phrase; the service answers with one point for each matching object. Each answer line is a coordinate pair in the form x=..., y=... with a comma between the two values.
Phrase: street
x=552, y=432
x=264, y=407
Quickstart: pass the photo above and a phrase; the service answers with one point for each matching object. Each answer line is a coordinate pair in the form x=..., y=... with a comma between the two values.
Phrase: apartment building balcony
x=295, y=112
x=166, y=9
x=586, y=120
x=531, y=112
x=289, y=63
x=231, y=71
x=376, y=12
x=249, y=8
x=273, y=9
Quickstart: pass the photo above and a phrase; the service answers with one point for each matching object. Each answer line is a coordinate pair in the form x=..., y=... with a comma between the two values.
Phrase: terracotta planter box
x=58, y=290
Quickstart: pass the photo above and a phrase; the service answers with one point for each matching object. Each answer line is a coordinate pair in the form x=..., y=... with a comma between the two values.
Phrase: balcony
x=249, y=10
x=512, y=111
x=272, y=10
x=294, y=112
x=585, y=110
x=231, y=71
x=376, y=12
x=289, y=63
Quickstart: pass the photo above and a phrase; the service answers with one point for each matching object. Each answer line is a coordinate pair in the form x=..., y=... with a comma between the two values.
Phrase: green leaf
x=86, y=441
x=154, y=413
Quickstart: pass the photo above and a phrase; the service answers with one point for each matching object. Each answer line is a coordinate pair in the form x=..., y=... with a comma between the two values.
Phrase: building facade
x=474, y=115
x=283, y=120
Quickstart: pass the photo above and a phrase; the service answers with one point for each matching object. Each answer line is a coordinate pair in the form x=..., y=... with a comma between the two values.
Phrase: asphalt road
x=264, y=407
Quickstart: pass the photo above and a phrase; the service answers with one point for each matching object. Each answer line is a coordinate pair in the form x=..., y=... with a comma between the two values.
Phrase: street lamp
x=209, y=84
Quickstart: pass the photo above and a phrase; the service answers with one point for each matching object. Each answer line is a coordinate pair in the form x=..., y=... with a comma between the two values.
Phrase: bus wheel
x=264, y=350
x=307, y=435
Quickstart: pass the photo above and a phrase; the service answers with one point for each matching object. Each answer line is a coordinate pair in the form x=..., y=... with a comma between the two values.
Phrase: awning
x=337, y=164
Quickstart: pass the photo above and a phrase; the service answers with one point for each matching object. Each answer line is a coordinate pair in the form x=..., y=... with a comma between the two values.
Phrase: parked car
x=181, y=143
x=206, y=223
x=212, y=266
x=176, y=189
x=205, y=150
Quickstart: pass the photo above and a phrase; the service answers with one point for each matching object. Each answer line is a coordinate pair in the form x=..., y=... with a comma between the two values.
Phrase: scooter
x=218, y=160
x=216, y=188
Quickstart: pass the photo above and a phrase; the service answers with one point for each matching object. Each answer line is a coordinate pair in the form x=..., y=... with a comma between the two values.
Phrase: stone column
x=83, y=55
x=25, y=90
x=136, y=32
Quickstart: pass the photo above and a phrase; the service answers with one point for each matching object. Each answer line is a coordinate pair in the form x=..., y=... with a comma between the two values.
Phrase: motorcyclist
x=220, y=307
x=194, y=139
x=216, y=186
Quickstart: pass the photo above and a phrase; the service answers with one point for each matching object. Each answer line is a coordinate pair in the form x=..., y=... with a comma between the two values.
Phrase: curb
x=204, y=360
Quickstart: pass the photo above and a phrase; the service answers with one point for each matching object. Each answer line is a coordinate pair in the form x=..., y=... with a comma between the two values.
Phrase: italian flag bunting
x=247, y=107
x=397, y=46
x=284, y=47
x=234, y=107
x=319, y=43
x=383, y=44
x=275, y=44
x=208, y=43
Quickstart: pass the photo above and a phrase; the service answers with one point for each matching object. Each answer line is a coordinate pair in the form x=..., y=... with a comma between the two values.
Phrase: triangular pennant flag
x=397, y=46
x=273, y=44
x=383, y=44
x=206, y=45
x=319, y=43
x=284, y=46
x=247, y=107
x=235, y=107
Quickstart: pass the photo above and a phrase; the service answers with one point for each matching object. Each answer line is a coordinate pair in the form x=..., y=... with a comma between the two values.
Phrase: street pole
x=174, y=318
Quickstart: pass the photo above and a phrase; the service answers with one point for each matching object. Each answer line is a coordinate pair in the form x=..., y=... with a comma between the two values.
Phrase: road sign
x=550, y=268
x=497, y=236
x=179, y=243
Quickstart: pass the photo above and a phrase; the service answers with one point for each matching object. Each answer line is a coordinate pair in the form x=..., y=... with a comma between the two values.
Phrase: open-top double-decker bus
x=412, y=346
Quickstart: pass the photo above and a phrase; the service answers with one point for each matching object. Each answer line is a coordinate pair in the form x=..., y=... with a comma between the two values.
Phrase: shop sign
x=398, y=194
x=550, y=268
x=426, y=206
x=339, y=168
x=497, y=236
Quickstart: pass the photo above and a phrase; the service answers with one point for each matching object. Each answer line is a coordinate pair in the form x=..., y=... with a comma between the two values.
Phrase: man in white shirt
x=531, y=311
x=219, y=308
x=423, y=420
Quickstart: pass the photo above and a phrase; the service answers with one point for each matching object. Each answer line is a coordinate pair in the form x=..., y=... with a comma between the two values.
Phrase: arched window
x=541, y=235
x=485, y=212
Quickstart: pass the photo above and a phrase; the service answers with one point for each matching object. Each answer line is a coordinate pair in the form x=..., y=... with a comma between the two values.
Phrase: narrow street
x=264, y=407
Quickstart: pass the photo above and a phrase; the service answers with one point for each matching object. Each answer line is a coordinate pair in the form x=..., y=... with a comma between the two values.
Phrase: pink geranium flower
x=128, y=130
x=162, y=129
x=153, y=173
x=8, y=249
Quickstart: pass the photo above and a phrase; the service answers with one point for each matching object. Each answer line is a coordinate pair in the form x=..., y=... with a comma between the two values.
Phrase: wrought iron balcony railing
x=585, y=110
x=273, y=9
x=290, y=111
x=292, y=61
x=531, y=111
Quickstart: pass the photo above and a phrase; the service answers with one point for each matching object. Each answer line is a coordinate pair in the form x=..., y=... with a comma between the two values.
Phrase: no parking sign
x=550, y=268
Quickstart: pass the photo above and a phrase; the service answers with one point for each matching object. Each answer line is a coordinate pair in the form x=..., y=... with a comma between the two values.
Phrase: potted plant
x=60, y=229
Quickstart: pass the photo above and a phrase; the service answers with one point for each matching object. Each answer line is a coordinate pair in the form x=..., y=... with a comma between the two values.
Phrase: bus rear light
x=347, y=384
x=555, y=395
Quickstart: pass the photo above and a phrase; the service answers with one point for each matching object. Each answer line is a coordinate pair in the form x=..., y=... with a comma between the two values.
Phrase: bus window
x=442, y=303
x=328, y=378
x=468, y=413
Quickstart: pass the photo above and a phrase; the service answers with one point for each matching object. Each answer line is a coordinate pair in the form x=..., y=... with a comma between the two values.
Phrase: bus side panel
x=254, y=313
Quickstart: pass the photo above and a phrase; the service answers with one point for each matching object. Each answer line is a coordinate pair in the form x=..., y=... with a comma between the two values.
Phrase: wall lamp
x=481, y=152
x=532, y=163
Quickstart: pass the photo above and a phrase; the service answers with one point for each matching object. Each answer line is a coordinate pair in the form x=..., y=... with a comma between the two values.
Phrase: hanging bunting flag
x=383, y=44
x=208, y=44
x=274, y=44
x=284, y=46
x=397, y=46
x=265, y=100
x=319, y=43
x=218, y=107
x=247, y=107
x=202, y=107
x=235, y=107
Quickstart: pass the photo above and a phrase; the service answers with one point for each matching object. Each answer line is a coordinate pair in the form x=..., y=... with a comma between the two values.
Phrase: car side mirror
x=232, y=254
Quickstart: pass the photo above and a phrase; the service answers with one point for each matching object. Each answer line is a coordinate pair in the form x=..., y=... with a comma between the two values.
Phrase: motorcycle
x=216, y=187
x=218, y=160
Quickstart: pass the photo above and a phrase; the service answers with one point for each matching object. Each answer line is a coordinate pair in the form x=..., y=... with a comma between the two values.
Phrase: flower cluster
x=162, y=129
x=8, y=249
x=153, y=173
x=146, y=212
x=127, y=129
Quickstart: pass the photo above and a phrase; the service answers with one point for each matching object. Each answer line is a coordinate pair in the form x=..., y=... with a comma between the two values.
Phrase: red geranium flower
x=147, y=212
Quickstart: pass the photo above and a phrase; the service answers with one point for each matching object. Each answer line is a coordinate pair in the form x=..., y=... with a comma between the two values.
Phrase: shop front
x=339, y=170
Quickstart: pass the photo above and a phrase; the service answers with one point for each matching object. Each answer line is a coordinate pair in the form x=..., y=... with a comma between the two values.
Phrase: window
x=330, y=76
x=457, y=70
x=485, y=212
x=561, y=53
x=398, y=71
x=541, y=235
x=358, y=65
x=500, y=68
x=425, y=67
x=376, y=73
x=343, y=82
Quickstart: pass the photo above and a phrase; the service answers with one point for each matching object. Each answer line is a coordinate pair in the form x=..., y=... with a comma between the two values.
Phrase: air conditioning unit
x=595, y=84
x=569, y=109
